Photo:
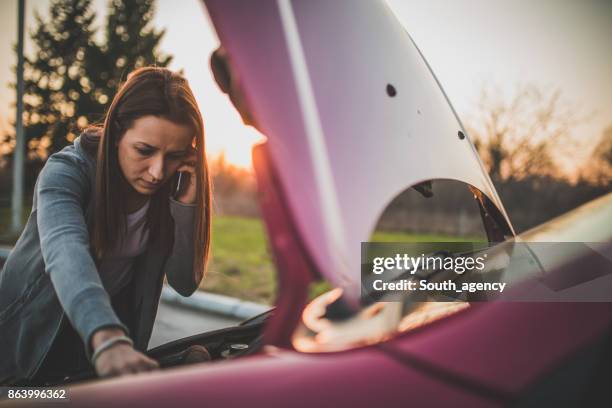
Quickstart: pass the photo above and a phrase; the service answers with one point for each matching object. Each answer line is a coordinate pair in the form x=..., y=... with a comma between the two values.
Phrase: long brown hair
x=161, y=93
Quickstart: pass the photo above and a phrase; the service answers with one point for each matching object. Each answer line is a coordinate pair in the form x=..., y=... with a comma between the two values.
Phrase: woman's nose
x=156, y=168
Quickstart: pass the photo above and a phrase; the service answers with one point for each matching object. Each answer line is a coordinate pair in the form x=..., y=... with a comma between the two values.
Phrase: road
x=175, y=322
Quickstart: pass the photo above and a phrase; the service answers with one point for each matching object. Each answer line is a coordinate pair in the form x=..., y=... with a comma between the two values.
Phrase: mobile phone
x=181, y=179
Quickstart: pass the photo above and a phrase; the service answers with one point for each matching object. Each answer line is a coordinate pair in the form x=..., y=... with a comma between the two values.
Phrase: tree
x=234, y=188
x=598, y=169
x=6, y=143
x=130, y=42
x=521, y=137
x=55, y=76
x=229, y=179
x=70, y=79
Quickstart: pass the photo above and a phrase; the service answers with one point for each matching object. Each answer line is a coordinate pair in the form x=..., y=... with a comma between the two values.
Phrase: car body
x=354, y=116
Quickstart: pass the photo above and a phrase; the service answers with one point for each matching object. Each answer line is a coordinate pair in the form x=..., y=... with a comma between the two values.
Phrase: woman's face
x=151, y=151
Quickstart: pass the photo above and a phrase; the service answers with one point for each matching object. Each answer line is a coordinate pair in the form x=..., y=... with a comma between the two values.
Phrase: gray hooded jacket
x=50, y=274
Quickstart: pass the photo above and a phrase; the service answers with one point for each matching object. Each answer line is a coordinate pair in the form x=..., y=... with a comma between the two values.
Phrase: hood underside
x=352, y=113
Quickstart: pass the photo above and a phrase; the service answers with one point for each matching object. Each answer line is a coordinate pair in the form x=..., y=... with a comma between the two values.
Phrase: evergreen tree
x=131, y=41
x=71, y=79
x=55, y=82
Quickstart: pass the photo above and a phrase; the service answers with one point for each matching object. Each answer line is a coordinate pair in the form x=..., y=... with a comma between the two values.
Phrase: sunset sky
x=555, y=44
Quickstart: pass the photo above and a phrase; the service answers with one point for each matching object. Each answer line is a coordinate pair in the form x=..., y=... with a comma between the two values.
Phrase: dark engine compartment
x=227, y=343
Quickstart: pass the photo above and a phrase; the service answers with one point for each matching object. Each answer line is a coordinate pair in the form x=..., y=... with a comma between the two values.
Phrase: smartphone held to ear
x=181, y=181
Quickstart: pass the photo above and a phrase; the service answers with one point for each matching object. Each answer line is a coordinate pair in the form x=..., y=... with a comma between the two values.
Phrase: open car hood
x=353, y=115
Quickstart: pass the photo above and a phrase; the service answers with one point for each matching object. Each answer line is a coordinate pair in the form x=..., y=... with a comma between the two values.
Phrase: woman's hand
x=187, y=195
x=120, y=359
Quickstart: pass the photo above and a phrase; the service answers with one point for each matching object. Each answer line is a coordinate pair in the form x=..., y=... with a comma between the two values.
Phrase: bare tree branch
x=524, y=135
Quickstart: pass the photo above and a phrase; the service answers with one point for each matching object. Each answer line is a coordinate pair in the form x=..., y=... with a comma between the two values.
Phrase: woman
x=82, y=284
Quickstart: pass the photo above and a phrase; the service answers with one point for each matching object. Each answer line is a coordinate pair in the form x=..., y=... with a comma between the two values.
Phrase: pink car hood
x=353, y=116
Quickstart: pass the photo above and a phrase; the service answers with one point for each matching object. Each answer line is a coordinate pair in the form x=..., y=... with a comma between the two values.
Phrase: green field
x=388, y=236
x=241, y=264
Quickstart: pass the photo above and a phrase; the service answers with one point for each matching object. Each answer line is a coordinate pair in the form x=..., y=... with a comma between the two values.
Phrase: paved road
x=175, y=322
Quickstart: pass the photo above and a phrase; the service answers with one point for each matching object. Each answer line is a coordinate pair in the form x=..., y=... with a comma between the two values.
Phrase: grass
x=241, y=264
x=389, y=236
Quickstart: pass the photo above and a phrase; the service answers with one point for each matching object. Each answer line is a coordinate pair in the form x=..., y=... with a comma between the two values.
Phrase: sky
x=554, y=44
